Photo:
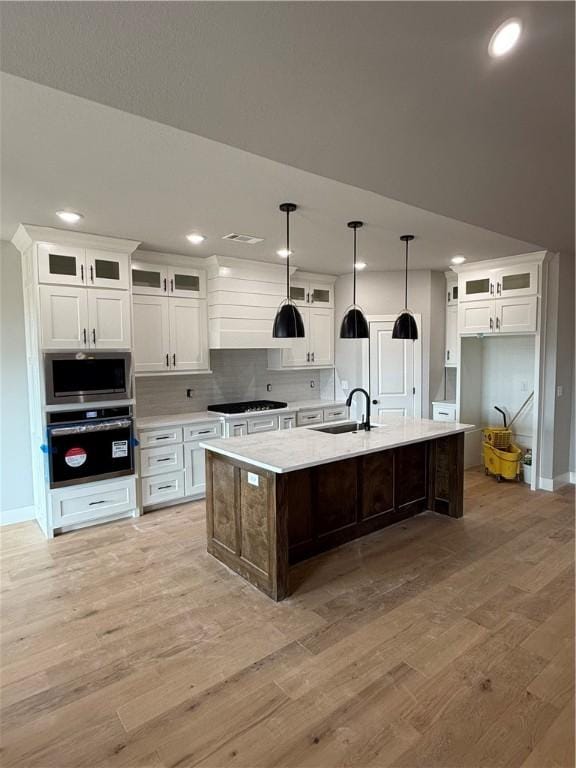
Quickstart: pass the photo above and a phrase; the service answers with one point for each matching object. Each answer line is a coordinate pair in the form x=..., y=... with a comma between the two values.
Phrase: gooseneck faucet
x=366, y=424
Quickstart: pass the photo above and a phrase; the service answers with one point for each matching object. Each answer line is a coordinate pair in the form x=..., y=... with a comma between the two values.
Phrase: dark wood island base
x=259, y=522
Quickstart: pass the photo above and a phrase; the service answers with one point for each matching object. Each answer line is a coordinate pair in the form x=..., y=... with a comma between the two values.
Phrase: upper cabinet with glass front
x=162, y=280
x=312, y=290
x=69, y=265
x=491, y=282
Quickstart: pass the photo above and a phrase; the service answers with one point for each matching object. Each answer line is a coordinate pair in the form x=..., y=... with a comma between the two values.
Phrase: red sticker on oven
x=75, y=457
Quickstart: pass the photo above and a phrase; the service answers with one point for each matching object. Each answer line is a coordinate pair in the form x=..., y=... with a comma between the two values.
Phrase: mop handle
x=524, y=404
x=503, y=415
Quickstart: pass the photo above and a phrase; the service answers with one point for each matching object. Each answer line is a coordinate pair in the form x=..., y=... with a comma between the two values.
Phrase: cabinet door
x=321, y=294
x=149, y=279
x=63, y=317
x=194, y=470
x=236, y=428
x=109, y=317
x=321, y=328
x=187, y=283
x=299, y=292
x=451, y=353
x=288, y=421
x=105, y=269
x=297, y=355
x=477, y=286
x=517, y=315
x=151, y=334
x=188, y=334
x=517, y=281
x=61, y=264
x=476, y=317
x=452, y=291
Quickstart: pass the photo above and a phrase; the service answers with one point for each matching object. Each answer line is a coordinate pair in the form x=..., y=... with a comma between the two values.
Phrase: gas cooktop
x=247, y=407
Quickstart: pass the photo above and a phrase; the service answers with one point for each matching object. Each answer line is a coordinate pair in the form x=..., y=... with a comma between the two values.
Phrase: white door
x=321, y=330
x=61, y=264
x=395, y=384
x=517, y=281
x=451, y=353
x=149, y=279
x=516, y=315
x=109, y=316
x=194, y=469
x=105, y=269
x=477, y=286
x=63, y=317
x=151, y=334
x=476, y=317
x=188, y=334
x=186, y=283
x=297, y=355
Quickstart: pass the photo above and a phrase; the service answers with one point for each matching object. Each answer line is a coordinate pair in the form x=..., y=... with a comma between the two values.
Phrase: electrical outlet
x=312, y=384
x=268, y=387
x=344, y=384
x=559, y=390
x=189, y=393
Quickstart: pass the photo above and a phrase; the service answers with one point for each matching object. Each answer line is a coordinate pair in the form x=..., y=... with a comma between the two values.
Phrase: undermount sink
x=338, y=429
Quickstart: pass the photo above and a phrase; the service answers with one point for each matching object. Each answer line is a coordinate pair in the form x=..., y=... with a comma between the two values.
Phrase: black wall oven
x=85, y=377
x=84, y=446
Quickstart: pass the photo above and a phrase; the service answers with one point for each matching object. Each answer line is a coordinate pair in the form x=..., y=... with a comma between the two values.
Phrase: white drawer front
x=262, y=424
x=154, y=437
x=156, y=461
x=162, y=488
x=444, y=412
x=236, y=428
x=79, y=504
x=288, y=421
x=202, y=431
x=336, y=414
x=310, y=417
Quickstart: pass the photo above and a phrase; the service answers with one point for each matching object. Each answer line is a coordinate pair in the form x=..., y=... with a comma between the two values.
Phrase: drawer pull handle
x=205, y=432
x=93, y=503
x=164, y=487
x=443, y=413
x=168, y=458
x=163, y=437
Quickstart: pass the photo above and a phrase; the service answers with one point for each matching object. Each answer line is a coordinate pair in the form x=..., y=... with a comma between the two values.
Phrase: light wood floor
x=438, y=642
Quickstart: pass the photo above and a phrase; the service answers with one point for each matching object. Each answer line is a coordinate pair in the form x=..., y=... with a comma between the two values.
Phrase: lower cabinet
x=160, y=489
x=88, y=503
x=194, y=470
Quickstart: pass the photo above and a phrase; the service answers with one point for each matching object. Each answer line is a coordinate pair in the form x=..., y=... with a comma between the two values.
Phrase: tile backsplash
x=238, y=374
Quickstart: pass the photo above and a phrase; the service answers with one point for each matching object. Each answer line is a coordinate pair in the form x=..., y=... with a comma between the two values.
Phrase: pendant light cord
x=288, y=255
x=354, y=277
x=406, y=280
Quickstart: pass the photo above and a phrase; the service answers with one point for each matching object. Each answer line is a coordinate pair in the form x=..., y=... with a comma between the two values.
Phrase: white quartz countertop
x=174, y=419
x=289, y=450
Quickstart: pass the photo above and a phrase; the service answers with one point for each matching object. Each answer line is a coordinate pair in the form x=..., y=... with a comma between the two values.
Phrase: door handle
x=312, y=356
x=171, y=285
x=491, y=324
x=91, y=273
x=374, y=402
x=94, y=335
x=174, y=359
x=499, y=288
x=165, y=285
x=85, y=336
x=82, y=272
x=307, y=298
x=167, y=360
x=307, y=357
x=491, y=288
x=497, y=323
x=447, y=354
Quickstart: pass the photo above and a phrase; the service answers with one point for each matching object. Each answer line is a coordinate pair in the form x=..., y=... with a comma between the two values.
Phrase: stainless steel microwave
x=87, y=377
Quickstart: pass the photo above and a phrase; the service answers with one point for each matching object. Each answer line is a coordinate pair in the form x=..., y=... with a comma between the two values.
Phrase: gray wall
x=15, y=456
x=563, y=416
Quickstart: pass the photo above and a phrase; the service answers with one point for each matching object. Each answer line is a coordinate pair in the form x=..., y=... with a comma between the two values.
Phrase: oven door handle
x=81, y=429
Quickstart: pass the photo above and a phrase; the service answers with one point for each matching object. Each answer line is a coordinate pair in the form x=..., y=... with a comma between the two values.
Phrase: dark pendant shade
x=288, y=323
x=405, y=327
x=354, y=325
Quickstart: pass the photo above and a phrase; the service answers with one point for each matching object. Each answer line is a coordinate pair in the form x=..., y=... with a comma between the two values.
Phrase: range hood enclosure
x=243, y=297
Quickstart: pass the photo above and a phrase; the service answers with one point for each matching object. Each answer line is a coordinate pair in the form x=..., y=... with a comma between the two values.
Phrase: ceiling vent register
x=247, y=239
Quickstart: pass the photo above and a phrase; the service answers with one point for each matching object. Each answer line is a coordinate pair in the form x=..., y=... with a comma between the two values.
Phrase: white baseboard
x=552, y=484
x=573, y=478
x=19, y=515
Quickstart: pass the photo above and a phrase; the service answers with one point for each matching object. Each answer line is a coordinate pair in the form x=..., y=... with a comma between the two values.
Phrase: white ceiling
x=135, y=178
x=399, y=98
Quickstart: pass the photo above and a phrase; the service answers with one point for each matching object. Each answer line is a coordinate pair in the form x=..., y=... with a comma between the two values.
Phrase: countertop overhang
x=290, y=450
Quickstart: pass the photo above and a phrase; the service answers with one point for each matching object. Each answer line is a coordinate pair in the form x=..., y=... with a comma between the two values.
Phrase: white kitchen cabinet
x=159, y=489
x=442, y=411
x=60, y=264
x=151, y=350
x=316, y=349
x=479, y=285
x=297, y=355
x=153, y=438
x=268, y=423
x=314, y=291
x=90, y=502
x=287, y=421
x=161, y=459
x=310, y=416
x=63, y=317
x=521, y=280
x=149, y=279
x=188, y=334
x=186, y=283
x=202, y=431
x=236, y=428
x=517, y=315
x=104, y=269
x=451, y=289
x=451, y=351
x=476, y=317
x=336, y=413
x=109, y=319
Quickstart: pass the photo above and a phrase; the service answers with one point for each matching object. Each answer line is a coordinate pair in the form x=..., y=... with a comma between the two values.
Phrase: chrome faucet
x=366, y=424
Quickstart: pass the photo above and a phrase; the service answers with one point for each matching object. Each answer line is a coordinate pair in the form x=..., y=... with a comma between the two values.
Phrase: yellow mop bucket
x=502, y=458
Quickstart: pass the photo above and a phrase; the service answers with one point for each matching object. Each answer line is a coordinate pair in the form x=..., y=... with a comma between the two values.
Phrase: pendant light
x=354, y=324
x=405, y=326
x=288, y=323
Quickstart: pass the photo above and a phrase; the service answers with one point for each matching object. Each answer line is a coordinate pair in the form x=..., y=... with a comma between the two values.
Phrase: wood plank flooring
x=434, y=643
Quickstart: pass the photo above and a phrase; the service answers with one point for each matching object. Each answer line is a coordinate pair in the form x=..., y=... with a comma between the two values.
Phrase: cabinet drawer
x=443, y=412
x=310, y=417
x=71, y=506
x=162, y=488
x=156, y=461
x=338, y=413
x=158, y=437
x=202, y=431
x=262, y=424
x=236, y=428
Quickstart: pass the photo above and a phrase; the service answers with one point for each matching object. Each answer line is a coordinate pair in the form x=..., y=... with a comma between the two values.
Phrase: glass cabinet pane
x=143, y=278
x=455, y=293
x=186, y=283
x=474, y=287
x=516, y=282
x=321, y=296
x=297, y=293
x=62, y=265
x=109, y=270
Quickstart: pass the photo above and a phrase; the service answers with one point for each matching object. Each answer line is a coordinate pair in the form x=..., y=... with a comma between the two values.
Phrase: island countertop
x=294, y=449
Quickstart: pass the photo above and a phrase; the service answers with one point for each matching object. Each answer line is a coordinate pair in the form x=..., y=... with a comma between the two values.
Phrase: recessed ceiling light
x=70, y=217
x=505, y=38
x=284, y=253
x=458, y=259
x=360, y=265
x=195, y=238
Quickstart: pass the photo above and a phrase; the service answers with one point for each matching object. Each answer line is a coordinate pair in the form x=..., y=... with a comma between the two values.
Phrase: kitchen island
x=273, y=500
